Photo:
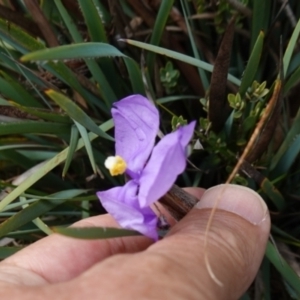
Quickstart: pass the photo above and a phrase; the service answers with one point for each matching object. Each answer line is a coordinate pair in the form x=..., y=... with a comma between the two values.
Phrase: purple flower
x=152, y=169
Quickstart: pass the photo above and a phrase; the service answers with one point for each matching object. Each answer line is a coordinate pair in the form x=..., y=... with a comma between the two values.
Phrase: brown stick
x=42, y=22
x=178, y=202
x=19, y=19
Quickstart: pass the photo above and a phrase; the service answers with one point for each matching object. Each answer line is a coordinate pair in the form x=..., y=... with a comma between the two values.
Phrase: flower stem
x=178, y=202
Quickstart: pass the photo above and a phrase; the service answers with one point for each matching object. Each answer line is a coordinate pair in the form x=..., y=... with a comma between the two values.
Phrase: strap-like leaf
x=88, y=233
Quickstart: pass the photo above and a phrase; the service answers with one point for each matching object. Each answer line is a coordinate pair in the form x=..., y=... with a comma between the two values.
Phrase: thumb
x=235, y=247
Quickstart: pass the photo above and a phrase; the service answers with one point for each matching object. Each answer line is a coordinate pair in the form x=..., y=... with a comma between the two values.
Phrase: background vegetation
x=232, y=65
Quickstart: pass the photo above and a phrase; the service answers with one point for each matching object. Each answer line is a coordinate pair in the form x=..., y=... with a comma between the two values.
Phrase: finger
x=58, y=258
x=175, y=266
x=195, y=191
x=236, y=241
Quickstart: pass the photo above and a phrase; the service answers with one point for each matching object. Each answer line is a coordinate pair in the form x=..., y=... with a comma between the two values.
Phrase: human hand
x=136, y=268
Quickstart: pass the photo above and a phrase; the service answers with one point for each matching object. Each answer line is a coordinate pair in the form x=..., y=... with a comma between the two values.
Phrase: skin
x=137, y=268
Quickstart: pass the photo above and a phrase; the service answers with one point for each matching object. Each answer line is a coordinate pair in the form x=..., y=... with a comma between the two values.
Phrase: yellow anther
x=116, y=165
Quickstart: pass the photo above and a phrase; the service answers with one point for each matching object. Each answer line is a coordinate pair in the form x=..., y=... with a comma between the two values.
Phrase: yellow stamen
x=116, y=165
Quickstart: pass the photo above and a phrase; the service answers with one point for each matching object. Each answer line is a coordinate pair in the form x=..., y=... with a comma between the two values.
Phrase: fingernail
x=236, y=199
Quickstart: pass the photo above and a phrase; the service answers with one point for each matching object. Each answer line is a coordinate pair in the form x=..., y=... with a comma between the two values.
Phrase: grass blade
x=39, y=127
x=252, y=66
x=287, y=142
x=79, y=50
x=14, y=91
x=46, y=167
x=93, y=21
x=76, y=113
x=158, y=29
x=72, y=147
x=283, y=268
x=290, y=49
x=45, y=114
x=27, y=214
x=182, y=57
x=260, y=18
x=88, y=233
x=87, y=144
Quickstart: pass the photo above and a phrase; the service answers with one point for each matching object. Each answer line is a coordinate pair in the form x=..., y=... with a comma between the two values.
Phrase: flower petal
x=187, y=133
x=136, y=125
x=122, y=204
x=167, y=161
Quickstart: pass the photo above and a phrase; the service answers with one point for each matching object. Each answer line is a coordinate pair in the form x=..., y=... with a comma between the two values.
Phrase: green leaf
x=97, y=33
x=176, y=98
x=90, y=50
x=272, y=192
x=88, y=233
x=12, y=64
x=46, y=167
x=18, y=38
x=37, y=221
x=4, y=102
x=76, y=113
x=18, y=146
x=252, y=66
x=79, y=50
x=181, y=57
x=16, y=157
x=158, y=29
x=13, y=90
x=62, y=72
x=260, y=18
x=69, y=22
x=27, y=214
x=35, y=210
x=8, y=251
x=287, y=237
x=291, y=81
x=72, y=148
x=135, y=76
x=83, y=51
x=88, y=146
x=283, y=268
x=187, y=17
x=290, y=49
x=93, y=21
x=265, y=270
x=23, y=42
x=45, y=114
x=33, y=127
x=287, y=142
x=103, y=83
x=286, y=161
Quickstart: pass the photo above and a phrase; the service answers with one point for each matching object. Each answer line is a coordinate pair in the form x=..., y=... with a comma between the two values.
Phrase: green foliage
x=236, y=102
x=55, y=101
x=177, y=122
x=257, y=91
x=224, y=13
x=169, y=77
